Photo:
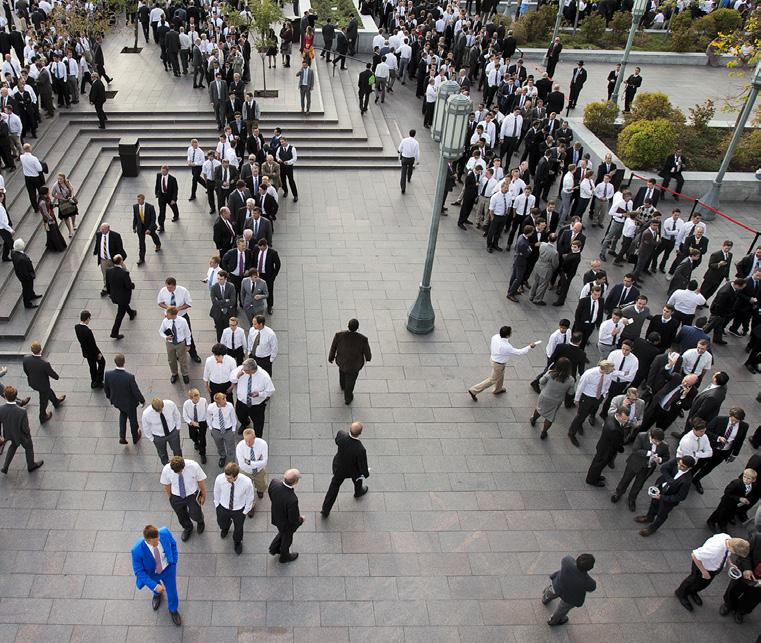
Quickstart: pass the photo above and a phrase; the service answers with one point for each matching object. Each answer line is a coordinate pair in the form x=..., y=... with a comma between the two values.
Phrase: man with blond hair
x=252, y=454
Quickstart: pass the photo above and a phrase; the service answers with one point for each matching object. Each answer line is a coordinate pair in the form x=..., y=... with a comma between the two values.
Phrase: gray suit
x=544, y=268
x=306, y=84
x=14, y=425
x=250, y=289
x=218, y=95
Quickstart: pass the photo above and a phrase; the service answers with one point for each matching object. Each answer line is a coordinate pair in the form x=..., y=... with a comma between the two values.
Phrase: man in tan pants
x=501, y=348
x=176, y=332
x=252, y=454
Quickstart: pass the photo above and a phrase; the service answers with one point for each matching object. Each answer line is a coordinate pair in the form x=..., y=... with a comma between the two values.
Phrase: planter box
x=635, y=57
x=740, y=186
x=367, y=28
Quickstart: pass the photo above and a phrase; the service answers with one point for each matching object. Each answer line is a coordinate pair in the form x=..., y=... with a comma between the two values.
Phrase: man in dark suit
x=108, y=244
x=553, y=56
x=267, y=262
x=260, y=226
x=24, y=271
x=223, y=232
x=97, y=55
x=350, y=350
x=144, y=223
x=648, y=452
x=285, y=514
x=236, y=262
x=662, y=368
x=166, y=193
x=739, y=496
x=646, y=350
x=90, y=350
x=670, y=401
x=268, y=205
x=349, y=462
x=38, y=373
x=578, y=79
x=14, y=428
x=666, y=325
x=224, y=303
x=225, y=177
x=589, y=314
x=610, y=443
x=648, y=191
x=124, y=394
x=719, y=263
x=726, y=433
x=673, y=486
x=606, y=167
x=621, y=295
x=570, y=584
x=722, y=309
x=98, y=99
x=747, y=303
x=707, y=403
x=236, y=202
x=672, y=169
x=119, y=285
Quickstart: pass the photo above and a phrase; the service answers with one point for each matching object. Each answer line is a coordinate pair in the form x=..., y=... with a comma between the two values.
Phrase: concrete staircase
x=333, y=137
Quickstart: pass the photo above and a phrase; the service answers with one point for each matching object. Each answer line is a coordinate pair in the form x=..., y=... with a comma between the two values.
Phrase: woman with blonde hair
x=63, y=194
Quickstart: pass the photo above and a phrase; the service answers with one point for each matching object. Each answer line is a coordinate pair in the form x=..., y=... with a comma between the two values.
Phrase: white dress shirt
x=181, y=328
x=604, y=191
x=229, y=420
x=192, y=474
x=620, y=204
x=568, y=183
x=713, y=552
x=219, y=372
x=671, y=228
x=208, y=168
x=629, y=362
x=500, y=203
x=410, y=148
x=243, y=493
x=694, y=363
x=233, y=341
x=686, y=301
x=152, y=425
x=487, y=187
x=260, y=382
x=252, y=462
x=267, y=342
x=606, y=336
x=30, y=164
x=192, y=410
x=697, y=447
x=501, y=349
x=512, y=126
x=558, y=337
x=586, y=189
x=195, y=156
x=5, y=223
x=181, y=298
x=522, y=204
x=630, y=228
x=589, y=382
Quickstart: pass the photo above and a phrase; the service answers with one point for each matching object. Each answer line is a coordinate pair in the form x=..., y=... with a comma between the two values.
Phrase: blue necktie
x=181, y=484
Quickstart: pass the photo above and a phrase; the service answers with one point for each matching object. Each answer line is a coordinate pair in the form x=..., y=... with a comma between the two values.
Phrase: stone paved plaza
x=468, y=511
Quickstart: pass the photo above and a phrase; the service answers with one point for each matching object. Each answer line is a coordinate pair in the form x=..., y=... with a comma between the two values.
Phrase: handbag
x=66, y=208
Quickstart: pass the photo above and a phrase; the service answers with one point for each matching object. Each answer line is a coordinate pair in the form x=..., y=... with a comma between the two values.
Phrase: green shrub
x=748, y=152
x=701, y=114
x=600, y=117
x=649, y=106
x=718, y=21
x=643, y=145
x=682, y=36
x=535, y=25
x=592, y=28
x=620, y=25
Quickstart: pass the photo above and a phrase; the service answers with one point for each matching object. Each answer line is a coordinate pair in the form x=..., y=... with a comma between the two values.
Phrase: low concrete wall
x=367, y=29
x=737, y=186
x=635, y=57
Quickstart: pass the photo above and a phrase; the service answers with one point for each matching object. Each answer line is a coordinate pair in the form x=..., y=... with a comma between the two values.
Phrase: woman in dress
x=254, y=294
x=63, y=193
x=55, y=240
x=286, y=40
x=271, y=49
x=555, y=384
x=308, y=51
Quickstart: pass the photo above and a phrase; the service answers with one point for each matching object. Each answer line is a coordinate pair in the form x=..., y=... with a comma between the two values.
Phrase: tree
x=265, y=14
x=89, y=22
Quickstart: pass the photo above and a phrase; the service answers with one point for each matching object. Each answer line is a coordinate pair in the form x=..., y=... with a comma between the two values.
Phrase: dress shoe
x=696, y=599
x=573, y=440
x=500, y=392
x=173, y=379
x=238, y=547
x=186, y=533
x=562, y=621
x=203, y=459
x=196, y=358
x=324, y=514
x=513, y=298
x=698, y=486
x=615, y=498
x=631, y=506
x=4, y=470
x=200, y=527
x=140, y=262
x=289, y=558
x=95, y=385
x=473, y=396
x=223, y=533
x=643, y=519
x=365, y=489
x=532, y=420
x=221, y=462
x=47, y=417
x=133, y=315
x=721, y=342
x=36, y=465
x=139, y=435
x=176, y=618
x=157, y=249
x=122, y=441
x=260, y=494
x=103, y=293
x=25, y=401
x=723, y=609
x=461, y=226
x=31, y=306
x=738, y=618
x=597, y=483
x=117, y=336
x=684, y=602
x=156, y=602
x=185, y=379
x=175, y=219
x=592, y=420
x=296, y=199
x=646, y=532
x=269, y=311
x=540, y=303
x=543, y=435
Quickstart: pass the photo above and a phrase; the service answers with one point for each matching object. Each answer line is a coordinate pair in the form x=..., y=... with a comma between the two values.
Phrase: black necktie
x=164, y=423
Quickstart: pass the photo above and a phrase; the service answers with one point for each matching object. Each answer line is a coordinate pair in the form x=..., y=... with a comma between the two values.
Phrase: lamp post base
x=710, y=198
x=420, y=320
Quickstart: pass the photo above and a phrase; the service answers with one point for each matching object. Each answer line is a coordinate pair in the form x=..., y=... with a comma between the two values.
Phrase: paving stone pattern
x=468, y=512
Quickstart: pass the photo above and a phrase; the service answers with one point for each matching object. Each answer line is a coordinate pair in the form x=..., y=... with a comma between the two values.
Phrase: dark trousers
x=281, y=544
x=286, y=173
x=26, y=443
x=32, y=183
x=196, y=173
x=97, y=367
x=130, y=415
x=660, y=512
x=335, y=485
x=364, y=99
x=163, y=202
x=270, y=281
x=45, y=397
x=160, y=442
x=7, y=244
x=741, y=597
x=226, y=516
x=220, y=388
x=637, y=479
x=716, y=323
x=121, y=310
x=564, y=284
x=679, y=182
x=210, y=194
x=184, y=58
x=141, y=242
x=265, y=363
x=102, y=118
x=27, y=291
x=146, y=27
x=187, y=510
x=515, y=224
x=704, y=466
x=516, y=278
x=665, y=247
x=601, y=459
x=496, y=225
x=587, y=408
x=251, y=413
x=695, y=582
x=408, y=165
x=347, y=380
x=198, y=435
x=198, y=75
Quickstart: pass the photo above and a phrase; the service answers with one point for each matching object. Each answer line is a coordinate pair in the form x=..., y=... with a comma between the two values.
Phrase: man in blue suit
x=154, y=561
x=123, y=392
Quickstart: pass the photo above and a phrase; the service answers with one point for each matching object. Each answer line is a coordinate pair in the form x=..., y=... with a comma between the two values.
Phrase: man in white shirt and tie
x=262, y=344
x=509, y=135
x=591, y=389
x=208, y=171
x=195, y=163
x=409, y=156
x=161, y=425
x=184, y=484
x=252, y=454
x=233, y=499
x=254, y=388
x=179, y=297
x=603, y=193
x=176, y=333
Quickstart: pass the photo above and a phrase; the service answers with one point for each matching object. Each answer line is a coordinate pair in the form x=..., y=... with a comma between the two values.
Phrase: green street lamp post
x=638, y=10
x=711, y=198
x=450, y=122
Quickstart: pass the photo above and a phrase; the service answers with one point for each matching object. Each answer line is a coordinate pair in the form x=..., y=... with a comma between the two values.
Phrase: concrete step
x=328, y=163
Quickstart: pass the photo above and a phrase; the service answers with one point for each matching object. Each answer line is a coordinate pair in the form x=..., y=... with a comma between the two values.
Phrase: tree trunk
x=136, y=32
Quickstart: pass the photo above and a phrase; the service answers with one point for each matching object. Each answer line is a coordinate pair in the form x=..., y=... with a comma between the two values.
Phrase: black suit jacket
x=264, y=231
x=97, y=93
x=149, y=213
x=22, y=265
x=724, y=302
x=575, y=354
x=658, y=376
x=564, y=241
x=14, y=424
x=584, y=312
x=613, y=296
x=673, y=491
x=716, y=429
x=667, y=330
x=284, y=512
x=639, y=198
x=271, y=264
x=237, y=205
x=230, y=260
x=646, y=354
x=350, y=350
x=708, y=403
x=678, y=406
x=223, y=302
x=122, y=390
x=171, y=187
x=38, y=372
x=638, y=459
x=115, y=246
x=86, y=341
x=224, y=238
x=351, y=459
x=269, y=207
x=119, y=285
x=603, y=169
x=611, y=437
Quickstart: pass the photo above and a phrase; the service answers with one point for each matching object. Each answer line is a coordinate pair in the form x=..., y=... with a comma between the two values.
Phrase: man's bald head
x=292, y=476
x=356, y=429
x=690, y=380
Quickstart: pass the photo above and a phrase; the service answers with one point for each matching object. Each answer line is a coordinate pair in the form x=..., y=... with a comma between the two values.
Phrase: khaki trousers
x=105, y=264
x=259, y=479
x=600, y=210
x=496, y=379
x=177, y=354
x=482, y=209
